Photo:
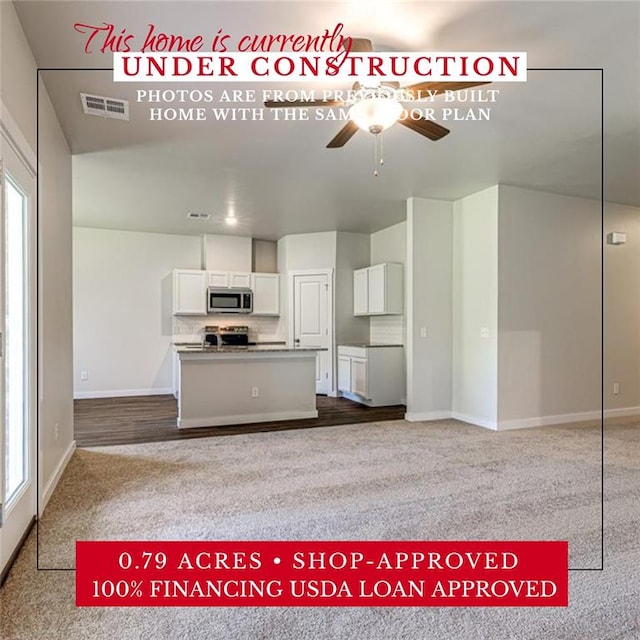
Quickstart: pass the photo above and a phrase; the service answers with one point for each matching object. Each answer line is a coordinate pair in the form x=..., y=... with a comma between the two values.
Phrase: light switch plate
x=484, y=332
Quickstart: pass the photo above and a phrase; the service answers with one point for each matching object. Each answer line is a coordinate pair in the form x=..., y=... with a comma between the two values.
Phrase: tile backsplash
x=261, y=328
x=387, y=329
x=382, y=329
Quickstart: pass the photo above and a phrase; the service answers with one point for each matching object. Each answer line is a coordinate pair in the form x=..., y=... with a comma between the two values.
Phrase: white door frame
x=11, y=132
x=330, y=319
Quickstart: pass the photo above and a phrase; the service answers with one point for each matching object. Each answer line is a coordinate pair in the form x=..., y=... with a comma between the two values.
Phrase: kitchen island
x=231, y=385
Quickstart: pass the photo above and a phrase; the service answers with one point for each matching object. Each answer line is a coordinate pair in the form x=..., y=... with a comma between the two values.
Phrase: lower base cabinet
x=372, y=375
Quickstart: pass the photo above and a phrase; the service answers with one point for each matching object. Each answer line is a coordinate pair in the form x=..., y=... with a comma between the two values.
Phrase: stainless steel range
x=234, y=336
x=210, y=336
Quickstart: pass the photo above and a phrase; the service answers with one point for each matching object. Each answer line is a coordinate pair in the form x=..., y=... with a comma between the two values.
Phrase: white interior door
x=311, y=322
x=17, y=359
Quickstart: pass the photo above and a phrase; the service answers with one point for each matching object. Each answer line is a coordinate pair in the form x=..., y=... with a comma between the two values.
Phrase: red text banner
x=322, y=573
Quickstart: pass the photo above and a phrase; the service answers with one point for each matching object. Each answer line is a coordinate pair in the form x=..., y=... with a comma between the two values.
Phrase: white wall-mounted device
x=615, y=237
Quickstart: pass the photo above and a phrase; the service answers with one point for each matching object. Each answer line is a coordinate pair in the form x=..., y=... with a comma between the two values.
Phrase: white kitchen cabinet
x=360, y=377
x=189, y=292
x=225, y=279
x=378, y=290
x=266, y=294
x=372, y=375
x=361, y=292
x=344, y=374
x=218, y=279
x=239, y=280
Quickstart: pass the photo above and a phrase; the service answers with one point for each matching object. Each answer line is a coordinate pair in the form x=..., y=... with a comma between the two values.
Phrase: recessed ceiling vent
x=198, y=216
x=105, y=107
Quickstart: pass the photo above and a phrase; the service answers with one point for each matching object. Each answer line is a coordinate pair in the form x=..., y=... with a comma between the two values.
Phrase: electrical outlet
x=84, y=375
x=423, y=332
x=616, y=388
x=484, y=332
x=255, y=392
x=56, y=432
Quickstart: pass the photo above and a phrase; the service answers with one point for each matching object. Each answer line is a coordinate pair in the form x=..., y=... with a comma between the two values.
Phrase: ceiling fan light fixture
x=375, y=114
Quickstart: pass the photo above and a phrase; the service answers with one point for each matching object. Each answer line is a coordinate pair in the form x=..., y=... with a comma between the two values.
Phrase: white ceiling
x=278, y=176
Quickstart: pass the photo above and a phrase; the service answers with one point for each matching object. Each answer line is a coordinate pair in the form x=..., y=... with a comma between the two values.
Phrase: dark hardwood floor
x=140, y=419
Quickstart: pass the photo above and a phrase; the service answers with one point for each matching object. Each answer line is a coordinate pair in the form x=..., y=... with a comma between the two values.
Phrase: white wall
x=264, y=256
x=549, y=348
x=56, y=290
x=308, y=251
x=17, y=73
x=352, y=252
x=429, y=306
x=475, y=307
x=527, y=266
x=389, y=245
x=122, y=309
x=622, y=311
x=226, y=253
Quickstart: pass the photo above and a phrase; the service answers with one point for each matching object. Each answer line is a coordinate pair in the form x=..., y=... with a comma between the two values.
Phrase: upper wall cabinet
x=266, y=294
x=189, y=292
x=225, y=279
x=361, y=292
x=378, y=290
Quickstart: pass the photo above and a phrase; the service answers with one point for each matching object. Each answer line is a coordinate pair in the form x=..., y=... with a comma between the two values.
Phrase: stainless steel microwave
x=229, y=300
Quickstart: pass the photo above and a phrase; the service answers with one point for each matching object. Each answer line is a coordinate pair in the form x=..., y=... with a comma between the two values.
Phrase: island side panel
x=217, y=389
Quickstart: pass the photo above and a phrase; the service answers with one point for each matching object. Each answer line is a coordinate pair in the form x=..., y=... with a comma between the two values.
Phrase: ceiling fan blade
x=276, y=104
x=361, y=45
x=344, y=135
x=424, y=127
x=440, y=87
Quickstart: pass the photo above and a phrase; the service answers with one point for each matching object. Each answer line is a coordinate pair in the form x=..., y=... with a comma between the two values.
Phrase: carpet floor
x=388, y=480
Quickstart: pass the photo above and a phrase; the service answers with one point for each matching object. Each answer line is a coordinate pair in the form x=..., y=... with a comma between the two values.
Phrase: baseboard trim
x=55, y=478
x=525, y=423
x=621, y=413
x=247, y=418
x=122, y=393
x=566, y=418
x=412, y=416
x=479, y=422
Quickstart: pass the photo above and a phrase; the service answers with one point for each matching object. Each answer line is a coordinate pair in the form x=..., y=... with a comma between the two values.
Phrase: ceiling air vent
x=198, y=216
x=105, y=107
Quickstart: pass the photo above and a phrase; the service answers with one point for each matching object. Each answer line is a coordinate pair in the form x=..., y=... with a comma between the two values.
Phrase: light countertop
x=257, y=348
x=367, y=345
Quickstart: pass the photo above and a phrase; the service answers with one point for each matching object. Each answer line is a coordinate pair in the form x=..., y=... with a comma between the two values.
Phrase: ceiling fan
x=376, y=108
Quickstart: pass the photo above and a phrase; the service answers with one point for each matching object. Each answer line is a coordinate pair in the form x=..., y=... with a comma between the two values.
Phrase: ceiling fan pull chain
x=375, y=156
x=381, y=149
